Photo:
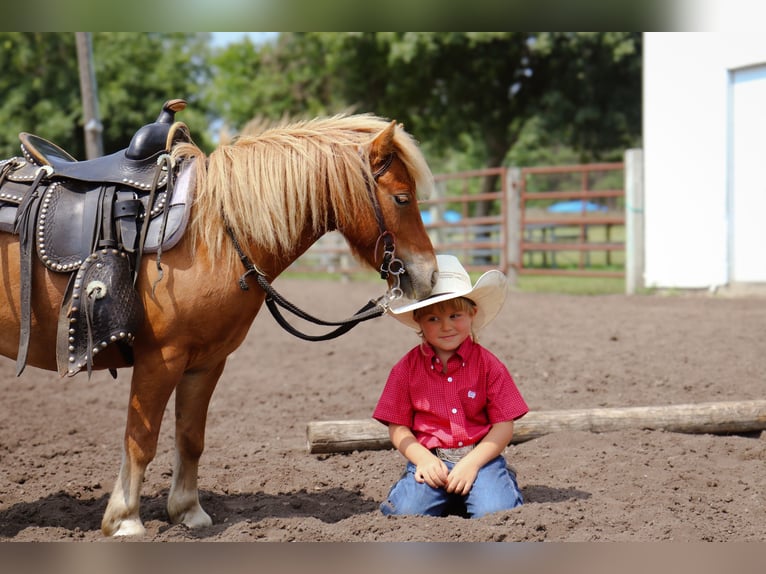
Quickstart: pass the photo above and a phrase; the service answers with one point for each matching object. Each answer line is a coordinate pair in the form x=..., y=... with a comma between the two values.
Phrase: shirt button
x=449, y=379
x=460, y=443
x=454, y=411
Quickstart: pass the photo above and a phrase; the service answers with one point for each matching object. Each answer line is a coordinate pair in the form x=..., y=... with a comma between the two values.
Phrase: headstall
x=390, y=265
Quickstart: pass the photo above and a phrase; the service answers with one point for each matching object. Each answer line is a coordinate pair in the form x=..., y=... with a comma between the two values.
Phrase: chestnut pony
x=274, y=194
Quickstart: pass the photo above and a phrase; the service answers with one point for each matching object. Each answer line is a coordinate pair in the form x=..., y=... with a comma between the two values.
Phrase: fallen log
x=699, y=418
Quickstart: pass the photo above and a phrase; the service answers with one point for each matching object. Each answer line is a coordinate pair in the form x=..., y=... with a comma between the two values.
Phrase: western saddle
x=94, y=219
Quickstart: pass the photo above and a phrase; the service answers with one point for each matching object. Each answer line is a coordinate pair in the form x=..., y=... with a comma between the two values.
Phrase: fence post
x=634, y=220
x=436, y=233
x=514, y=231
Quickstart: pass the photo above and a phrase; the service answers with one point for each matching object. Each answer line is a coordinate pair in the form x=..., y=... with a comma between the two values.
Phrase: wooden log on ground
x=700, y=418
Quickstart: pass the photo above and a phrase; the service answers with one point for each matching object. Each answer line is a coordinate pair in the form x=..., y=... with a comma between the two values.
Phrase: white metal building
x=704, y=159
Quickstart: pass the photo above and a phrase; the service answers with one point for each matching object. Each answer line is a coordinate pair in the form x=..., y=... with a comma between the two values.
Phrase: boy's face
x=445, y=327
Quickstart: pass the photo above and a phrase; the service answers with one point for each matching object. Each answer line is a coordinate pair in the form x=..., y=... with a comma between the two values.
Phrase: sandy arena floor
x=60, y=438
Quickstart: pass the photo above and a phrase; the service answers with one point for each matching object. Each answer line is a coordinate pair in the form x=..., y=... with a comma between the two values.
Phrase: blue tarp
x=449, y=216
x=575, y=206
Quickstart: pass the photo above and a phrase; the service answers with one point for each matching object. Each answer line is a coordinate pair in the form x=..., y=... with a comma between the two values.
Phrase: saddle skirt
x=69, y=214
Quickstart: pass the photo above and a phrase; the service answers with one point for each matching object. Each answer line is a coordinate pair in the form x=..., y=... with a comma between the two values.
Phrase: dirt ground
x=60, y=438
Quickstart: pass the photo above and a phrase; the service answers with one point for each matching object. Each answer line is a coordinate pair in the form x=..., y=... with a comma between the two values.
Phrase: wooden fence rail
x=515, y=226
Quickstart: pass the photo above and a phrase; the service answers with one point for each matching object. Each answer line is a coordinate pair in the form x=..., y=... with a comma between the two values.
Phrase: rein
x=390, y=265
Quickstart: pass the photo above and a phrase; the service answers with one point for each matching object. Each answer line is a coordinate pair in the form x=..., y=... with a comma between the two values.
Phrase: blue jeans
x=494, y=489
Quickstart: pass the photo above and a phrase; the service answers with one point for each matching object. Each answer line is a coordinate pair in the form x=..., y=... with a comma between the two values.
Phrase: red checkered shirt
x=452, y=409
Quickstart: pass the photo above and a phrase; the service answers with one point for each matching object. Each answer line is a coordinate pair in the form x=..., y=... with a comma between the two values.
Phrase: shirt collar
x=463, y=351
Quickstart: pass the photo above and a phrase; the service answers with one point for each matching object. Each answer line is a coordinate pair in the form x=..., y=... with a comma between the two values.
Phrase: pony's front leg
x=193, y=395
x=149, y=393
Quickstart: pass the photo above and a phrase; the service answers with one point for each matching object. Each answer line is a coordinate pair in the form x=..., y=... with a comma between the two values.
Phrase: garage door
x=747, y=185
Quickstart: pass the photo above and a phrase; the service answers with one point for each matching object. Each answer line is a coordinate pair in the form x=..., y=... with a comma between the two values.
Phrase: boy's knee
x=413, y=500
x=389, y=509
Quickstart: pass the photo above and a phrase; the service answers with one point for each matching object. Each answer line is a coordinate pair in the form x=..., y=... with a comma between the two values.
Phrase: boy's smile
x=446, y=330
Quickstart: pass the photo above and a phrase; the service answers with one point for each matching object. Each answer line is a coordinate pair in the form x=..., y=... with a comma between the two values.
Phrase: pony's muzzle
x=419, y=279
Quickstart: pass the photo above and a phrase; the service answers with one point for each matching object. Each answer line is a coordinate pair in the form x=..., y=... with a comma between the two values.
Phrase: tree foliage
x=135, y=73
x=39, y=87
x=490, y=97
x=592, y=98
x=483, y=92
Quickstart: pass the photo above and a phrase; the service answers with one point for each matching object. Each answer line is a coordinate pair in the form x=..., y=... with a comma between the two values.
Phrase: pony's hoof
x=130, y=527
x=196, y=518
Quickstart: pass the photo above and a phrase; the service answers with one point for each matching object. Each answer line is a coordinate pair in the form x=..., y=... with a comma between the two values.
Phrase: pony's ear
x=383, y=145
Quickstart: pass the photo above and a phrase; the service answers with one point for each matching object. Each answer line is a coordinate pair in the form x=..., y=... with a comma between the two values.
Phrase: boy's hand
x=432, y=471
x=461, y=477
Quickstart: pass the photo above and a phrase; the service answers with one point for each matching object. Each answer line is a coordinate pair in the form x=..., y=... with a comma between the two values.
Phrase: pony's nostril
x=434, y=277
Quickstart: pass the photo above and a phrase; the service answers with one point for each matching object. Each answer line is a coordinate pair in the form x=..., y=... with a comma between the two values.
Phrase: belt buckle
x=453, y=454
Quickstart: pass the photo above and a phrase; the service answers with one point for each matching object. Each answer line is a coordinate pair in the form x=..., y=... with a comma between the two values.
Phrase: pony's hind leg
x=150, y=390
x=193, y=395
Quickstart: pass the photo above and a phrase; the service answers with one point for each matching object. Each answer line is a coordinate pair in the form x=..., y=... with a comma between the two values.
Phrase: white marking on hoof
x=197, y=518
x=130, y=527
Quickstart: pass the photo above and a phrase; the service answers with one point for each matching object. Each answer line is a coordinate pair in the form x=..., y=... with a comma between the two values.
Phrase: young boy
x=450, y=404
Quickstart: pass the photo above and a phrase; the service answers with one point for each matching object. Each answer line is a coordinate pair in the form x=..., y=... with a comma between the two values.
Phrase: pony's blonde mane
x=268, y=187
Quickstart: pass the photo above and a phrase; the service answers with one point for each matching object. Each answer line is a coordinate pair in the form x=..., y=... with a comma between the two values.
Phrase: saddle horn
x=152, y=137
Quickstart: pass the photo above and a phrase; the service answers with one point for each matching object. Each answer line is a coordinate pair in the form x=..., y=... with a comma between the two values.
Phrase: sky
x=223, y=38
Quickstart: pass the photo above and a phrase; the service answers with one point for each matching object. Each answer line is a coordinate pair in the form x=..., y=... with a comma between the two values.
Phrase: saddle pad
x=178, y=216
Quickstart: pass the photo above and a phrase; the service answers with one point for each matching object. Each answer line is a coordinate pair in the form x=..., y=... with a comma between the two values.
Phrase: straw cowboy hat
x=488, y=294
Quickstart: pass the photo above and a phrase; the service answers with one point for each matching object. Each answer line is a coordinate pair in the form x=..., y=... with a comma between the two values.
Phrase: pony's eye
x=402, y=199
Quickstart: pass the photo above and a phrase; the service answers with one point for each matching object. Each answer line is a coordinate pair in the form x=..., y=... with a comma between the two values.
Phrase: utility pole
x=94, y=146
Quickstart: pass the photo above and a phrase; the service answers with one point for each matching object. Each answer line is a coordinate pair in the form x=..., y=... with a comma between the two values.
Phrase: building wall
x=688, y=155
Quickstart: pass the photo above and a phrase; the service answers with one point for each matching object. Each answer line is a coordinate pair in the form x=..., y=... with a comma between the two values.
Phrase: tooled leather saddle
x=95, y=219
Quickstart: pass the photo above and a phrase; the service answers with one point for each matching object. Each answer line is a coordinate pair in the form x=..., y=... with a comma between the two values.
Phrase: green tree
x=477, y=91
x=290, y=78
x=592, y=96
x=39, y=88
x=135, y=73
x=445, y=86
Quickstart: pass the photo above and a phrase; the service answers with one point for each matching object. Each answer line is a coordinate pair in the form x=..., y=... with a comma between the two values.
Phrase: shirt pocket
x=474, y=400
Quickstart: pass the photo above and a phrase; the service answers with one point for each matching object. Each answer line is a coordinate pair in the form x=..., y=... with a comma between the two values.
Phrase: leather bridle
x=390, y=265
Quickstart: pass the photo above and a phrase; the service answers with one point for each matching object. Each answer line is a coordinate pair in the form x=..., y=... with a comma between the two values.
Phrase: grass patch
x=570, y=285
x=526, y=283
